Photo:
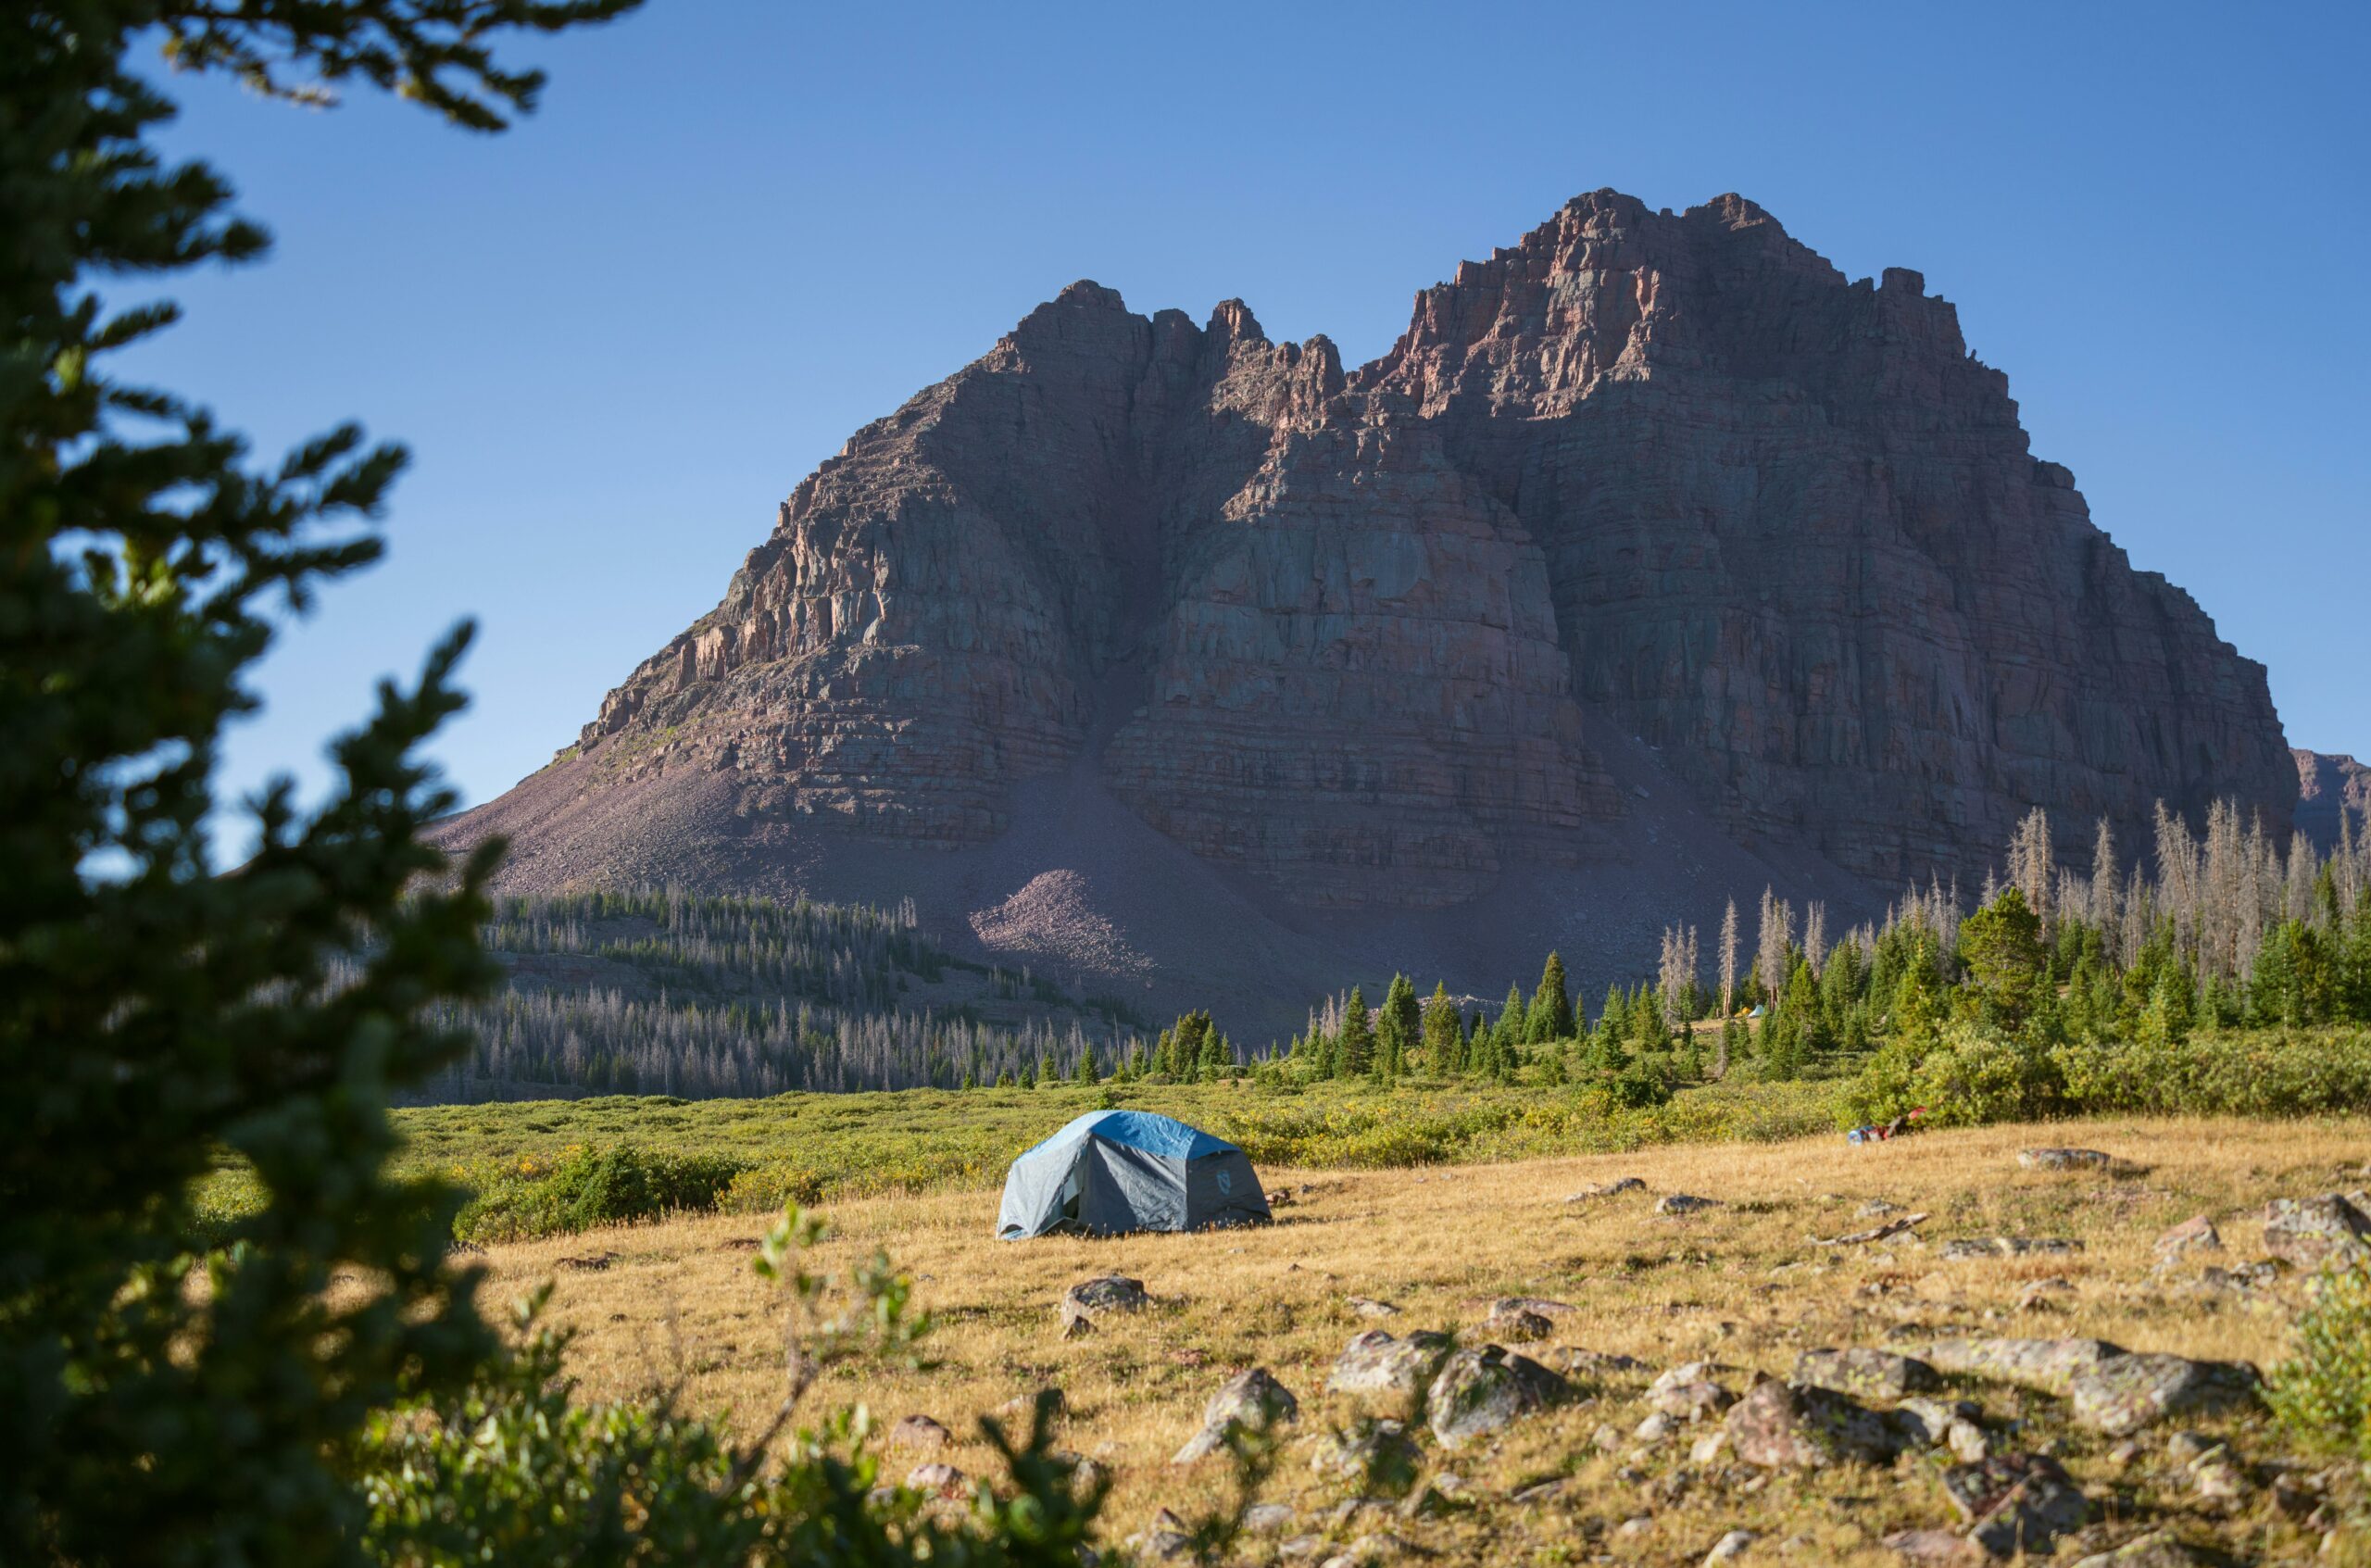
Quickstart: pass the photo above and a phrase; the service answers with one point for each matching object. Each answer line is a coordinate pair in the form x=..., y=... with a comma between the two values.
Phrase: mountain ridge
x=1649, y=525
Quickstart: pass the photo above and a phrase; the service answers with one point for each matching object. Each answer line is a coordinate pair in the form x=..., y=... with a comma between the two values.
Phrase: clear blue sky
x=616, y=336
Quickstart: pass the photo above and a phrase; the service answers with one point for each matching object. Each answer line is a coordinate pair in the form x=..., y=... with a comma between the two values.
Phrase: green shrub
x=2223, y=1072
x=2322, y=1394
x=589, y=1188
x=1979, y=1075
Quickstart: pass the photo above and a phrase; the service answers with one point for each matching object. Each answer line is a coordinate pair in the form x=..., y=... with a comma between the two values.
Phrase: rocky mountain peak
x=1651, y=528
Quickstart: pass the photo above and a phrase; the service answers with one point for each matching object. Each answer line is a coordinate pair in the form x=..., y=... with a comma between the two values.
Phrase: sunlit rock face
x=1365, y=637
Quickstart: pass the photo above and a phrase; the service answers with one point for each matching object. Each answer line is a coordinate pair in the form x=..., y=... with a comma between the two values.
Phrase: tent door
x=1070, y=1191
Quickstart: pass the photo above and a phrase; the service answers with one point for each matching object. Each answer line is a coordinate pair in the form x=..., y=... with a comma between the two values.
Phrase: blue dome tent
x=1114, y=1170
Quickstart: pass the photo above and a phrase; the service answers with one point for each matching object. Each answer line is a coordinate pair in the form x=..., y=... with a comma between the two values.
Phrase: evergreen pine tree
x=1399, y=1028
x=1444, y=1038
x=1508, y=1034
x=1085, y=1071
x=1550, y=1015
x=1357, y=1051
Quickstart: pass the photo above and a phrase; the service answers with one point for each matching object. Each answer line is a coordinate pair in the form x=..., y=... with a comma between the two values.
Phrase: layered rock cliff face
x=1364, y=638
x=2331, y=789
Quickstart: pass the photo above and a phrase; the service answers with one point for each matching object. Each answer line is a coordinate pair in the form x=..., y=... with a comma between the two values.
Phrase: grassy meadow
x=675, y=1304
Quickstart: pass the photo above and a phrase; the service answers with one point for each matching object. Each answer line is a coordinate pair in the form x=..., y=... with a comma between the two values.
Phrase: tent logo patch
x=1227, y=1182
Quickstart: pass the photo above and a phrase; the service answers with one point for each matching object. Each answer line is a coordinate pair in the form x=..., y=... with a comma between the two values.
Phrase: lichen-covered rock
x=1988, y=1247
x=1607, y=1190
x=2049, y=1365
x=1683, y=1203
x=937, y=1480
x=1480, y=1391
x=1251, y=1401
x=1510, y=1321
x=1091, y=1300
x=2196, y=1233
x=2016, y=1502
x=1391, y=1370
x=2155, y=1550
x=2310, y=1232
x=918, y=1431
x=1379, y=1456
x=2063, y=1160
x=1864, y=1373
x=1778, y=1426
x=1699, y=1400
x=2125, y=1393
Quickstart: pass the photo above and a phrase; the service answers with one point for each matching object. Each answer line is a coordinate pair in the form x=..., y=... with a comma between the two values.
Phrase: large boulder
x=1778, y=1426
x=1389, y=1371
x=1090, y=1300
x=1249, y=1402
x=2063, y=1160
x=1481, y=1392
x=2125, y=1393
x=1864, y=1373
x=2016, y=1502
x=1979, y=1248
x=2310, y=1232
x=2049, y=1365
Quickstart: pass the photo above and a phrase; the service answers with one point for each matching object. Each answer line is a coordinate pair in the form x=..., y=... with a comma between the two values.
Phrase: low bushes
x=591, y=1187
x=2322, y=1394
x=1975, y=1074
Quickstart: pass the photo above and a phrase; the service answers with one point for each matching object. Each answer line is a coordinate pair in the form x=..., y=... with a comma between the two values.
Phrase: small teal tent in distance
x=1116, y=1170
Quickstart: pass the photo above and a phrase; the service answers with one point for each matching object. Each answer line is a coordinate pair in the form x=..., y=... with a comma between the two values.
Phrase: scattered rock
x=1630, y=1529
x=2016, y=1502
x=1864, y=1373
x=919, y=1432
x=1598, y=1365
x=1654, y=1428
x=1478, y=1392
x=2309, y=1232
x=2218, y=1477
x=1366, y=1307
x=1169, y=1536
x=1777, y=1426
x=1538, y=1304
x=1732, y=1545
x=2156, y=1549
x=937, y=1480
x=1693, y=1371
x=1936, y=1548
x=1874, y=1233
x=1267, y=1518
x=1252, y=1400
x=1970, y=1249
x=1090, y=1300
x=1708, y=1448
x=1700, y=1400
x=2196, y=1233
x=2049, y=1365
x=1955, y=1423
x=1683, y=1203
x=1607, y=1190
x=1875, y=1209
x=2063, y=1160
x=2046, y=1296
x=1024, y=1407
x=1375, y=1364
x=2124, y=1394
x=1378, y=1452
x=589, y=1263
x=1538, y=1491
x=1508, y=1321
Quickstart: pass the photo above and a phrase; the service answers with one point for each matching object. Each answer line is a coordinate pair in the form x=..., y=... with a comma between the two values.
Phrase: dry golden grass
x=679, y=1303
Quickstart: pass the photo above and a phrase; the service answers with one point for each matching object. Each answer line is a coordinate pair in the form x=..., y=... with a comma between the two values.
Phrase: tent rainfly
x=1115, y=1171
